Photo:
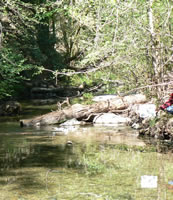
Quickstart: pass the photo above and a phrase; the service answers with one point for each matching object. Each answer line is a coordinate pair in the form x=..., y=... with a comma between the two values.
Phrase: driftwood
x=83, y=112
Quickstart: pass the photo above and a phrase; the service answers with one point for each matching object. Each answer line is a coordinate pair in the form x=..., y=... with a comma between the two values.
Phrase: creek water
x=88, y=162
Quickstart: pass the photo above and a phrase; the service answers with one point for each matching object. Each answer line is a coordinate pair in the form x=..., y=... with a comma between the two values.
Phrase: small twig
x=168, y=17
x=67, y=102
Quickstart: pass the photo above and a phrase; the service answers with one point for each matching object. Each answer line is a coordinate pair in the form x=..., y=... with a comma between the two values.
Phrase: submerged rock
x=69, y=143
x=67, y=127
x=64, y=130
x=72, y=122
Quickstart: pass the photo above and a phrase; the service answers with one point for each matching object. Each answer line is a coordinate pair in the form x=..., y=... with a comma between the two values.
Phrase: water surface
x=88, y=163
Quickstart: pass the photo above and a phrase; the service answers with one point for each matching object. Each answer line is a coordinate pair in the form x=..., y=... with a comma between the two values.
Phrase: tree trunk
x=155, y=48
x=83, y=112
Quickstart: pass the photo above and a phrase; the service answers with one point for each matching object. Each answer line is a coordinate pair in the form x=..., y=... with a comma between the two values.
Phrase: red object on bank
x=167, y=103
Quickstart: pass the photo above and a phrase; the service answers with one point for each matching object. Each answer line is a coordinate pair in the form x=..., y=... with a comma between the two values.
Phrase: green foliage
x=92, y=166
x=27, y=43
x=110, y=40
x=115, y=35
x=87, y=97
x=153, y=121
x=124, y=147
x=5, y=89
x=77, y=80
x=96, y=162
x=12, y=65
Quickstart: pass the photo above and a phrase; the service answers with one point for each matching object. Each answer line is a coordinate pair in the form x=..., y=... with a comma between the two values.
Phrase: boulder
x=110, y=118
x=10, y=108
x=144, y=111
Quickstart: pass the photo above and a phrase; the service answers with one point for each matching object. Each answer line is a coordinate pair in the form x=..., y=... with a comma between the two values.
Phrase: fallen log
x=83, y=112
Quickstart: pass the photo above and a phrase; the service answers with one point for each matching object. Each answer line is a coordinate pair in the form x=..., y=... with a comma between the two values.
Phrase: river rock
x=67, y=127
x=146, y=110
x=64, y=130
x=136, y=126
x=10, y=108
x=110, y=118
x=72, y=122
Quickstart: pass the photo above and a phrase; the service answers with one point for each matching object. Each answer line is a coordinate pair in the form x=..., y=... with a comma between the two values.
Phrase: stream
x=87, y=163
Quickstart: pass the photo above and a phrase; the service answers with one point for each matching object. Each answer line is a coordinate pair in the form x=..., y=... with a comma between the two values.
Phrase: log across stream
x=85, y=112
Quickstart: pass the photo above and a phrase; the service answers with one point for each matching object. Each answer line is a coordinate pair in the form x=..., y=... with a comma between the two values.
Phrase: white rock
x=146, y=110
x=71, y=122
x=136, y=126
x=64, y=129
x=110, y=118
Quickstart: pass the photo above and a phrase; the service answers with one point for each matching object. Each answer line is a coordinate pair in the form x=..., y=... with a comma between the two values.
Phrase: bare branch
x=149, y=86
x=169, y=60
x=102, y=66
x=168, y=17
x=9, y=61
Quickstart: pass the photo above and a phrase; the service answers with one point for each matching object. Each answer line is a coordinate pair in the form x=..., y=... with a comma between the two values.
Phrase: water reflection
x=32, y=151
x=41, y=147
x=88, y=163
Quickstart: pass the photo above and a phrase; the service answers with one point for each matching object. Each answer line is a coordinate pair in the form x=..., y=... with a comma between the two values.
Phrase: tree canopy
x=86, y=40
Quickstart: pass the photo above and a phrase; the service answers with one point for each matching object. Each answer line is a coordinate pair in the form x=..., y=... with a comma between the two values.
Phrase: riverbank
x=160, y=127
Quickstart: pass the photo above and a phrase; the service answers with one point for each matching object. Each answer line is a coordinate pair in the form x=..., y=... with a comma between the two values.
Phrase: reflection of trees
x=14, y=156
x=20, y=151
x=42, y=151
x=27, y=160
x=13, y=150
